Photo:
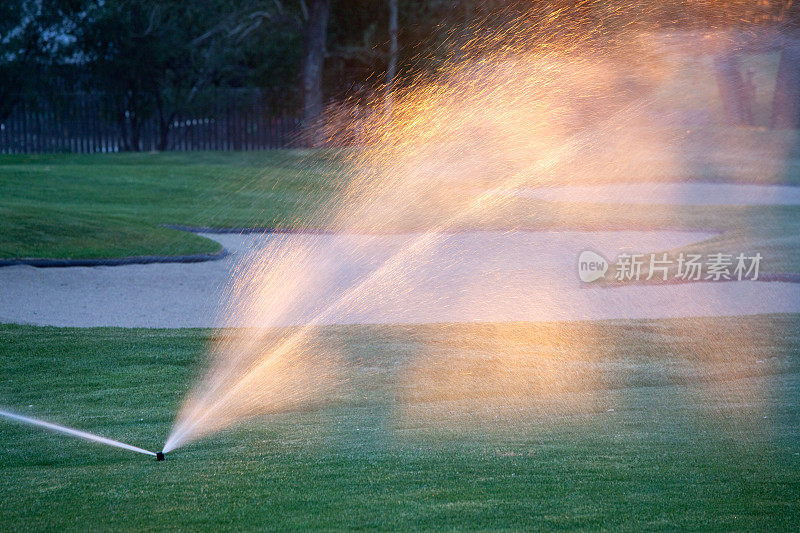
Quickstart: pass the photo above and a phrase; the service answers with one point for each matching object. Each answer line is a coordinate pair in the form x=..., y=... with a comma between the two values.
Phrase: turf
x=654, y=425
x=116, y=205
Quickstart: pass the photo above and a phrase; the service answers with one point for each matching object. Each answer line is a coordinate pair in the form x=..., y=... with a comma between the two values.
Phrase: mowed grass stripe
x=645, y=425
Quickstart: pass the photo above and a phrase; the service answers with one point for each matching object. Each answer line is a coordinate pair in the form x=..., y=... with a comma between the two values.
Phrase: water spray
x=78, y=433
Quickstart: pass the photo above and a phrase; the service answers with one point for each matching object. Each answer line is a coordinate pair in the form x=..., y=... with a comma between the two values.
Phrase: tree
x=391, y=69
x=786, y=99
x=150, y=57
x=27, y=47
x=316, y=33
x=733, y=90
x=310, y=20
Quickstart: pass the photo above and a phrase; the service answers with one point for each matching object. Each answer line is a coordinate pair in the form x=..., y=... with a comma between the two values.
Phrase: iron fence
x=84, y=123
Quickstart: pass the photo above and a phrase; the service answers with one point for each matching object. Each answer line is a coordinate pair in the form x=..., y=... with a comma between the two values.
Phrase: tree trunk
x=163, y=134
x=786, y=99
x=164, y=124
x=391, y=68
x=316, y=35
x=136, y=133
x=733, y=91
x=7, y=103
x=122, y=123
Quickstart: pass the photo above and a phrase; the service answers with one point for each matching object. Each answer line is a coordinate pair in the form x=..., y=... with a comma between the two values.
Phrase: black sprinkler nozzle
x=159, y=456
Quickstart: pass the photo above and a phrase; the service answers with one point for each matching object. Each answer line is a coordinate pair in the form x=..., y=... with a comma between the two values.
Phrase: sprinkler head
x=159, y=456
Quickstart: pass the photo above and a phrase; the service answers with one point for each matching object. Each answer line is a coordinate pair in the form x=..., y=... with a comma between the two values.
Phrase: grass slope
x=111, y=205
x=704, y=431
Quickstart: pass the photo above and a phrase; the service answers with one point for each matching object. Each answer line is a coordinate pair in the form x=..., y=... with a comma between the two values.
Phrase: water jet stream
x=74, y=432
x=185, y=426
x=550, y=98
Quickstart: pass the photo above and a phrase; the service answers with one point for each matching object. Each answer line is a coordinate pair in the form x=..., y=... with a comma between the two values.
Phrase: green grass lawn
x=654, y=425
x=112, y=205
x=116, y=205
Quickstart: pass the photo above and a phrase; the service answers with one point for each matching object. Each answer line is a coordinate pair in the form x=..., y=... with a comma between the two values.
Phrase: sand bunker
x=498, y=276
x=667, y=193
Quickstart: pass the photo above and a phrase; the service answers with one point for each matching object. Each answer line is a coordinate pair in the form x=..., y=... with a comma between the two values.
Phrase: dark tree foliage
x=17, y=43
x=164, y=58
x=32, y=41
x=149, y=58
